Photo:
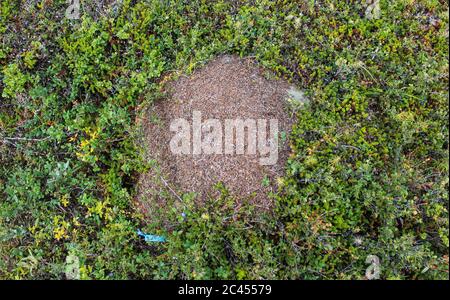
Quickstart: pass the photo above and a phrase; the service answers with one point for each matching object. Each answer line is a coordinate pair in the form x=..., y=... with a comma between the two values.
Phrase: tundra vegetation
x=368, y=172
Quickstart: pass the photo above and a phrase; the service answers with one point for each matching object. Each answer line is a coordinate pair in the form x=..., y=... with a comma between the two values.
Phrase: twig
x=167, y=185
x=25, y=139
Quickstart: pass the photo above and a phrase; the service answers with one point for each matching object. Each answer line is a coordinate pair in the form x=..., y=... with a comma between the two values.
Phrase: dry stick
x=25, y=139
x=8, y=142
x=349, y=146
x=168, y=186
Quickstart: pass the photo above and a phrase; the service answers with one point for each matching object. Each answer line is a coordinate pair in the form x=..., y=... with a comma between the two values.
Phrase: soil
x=226, y=88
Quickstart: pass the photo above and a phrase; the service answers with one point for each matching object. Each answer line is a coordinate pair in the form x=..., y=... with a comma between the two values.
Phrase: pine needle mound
x=226, y=88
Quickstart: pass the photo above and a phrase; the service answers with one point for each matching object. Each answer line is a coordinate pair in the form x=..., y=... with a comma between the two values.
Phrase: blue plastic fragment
x=151, y=237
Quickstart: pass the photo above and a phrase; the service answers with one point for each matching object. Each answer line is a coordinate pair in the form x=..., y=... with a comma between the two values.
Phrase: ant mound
x=225, y=123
